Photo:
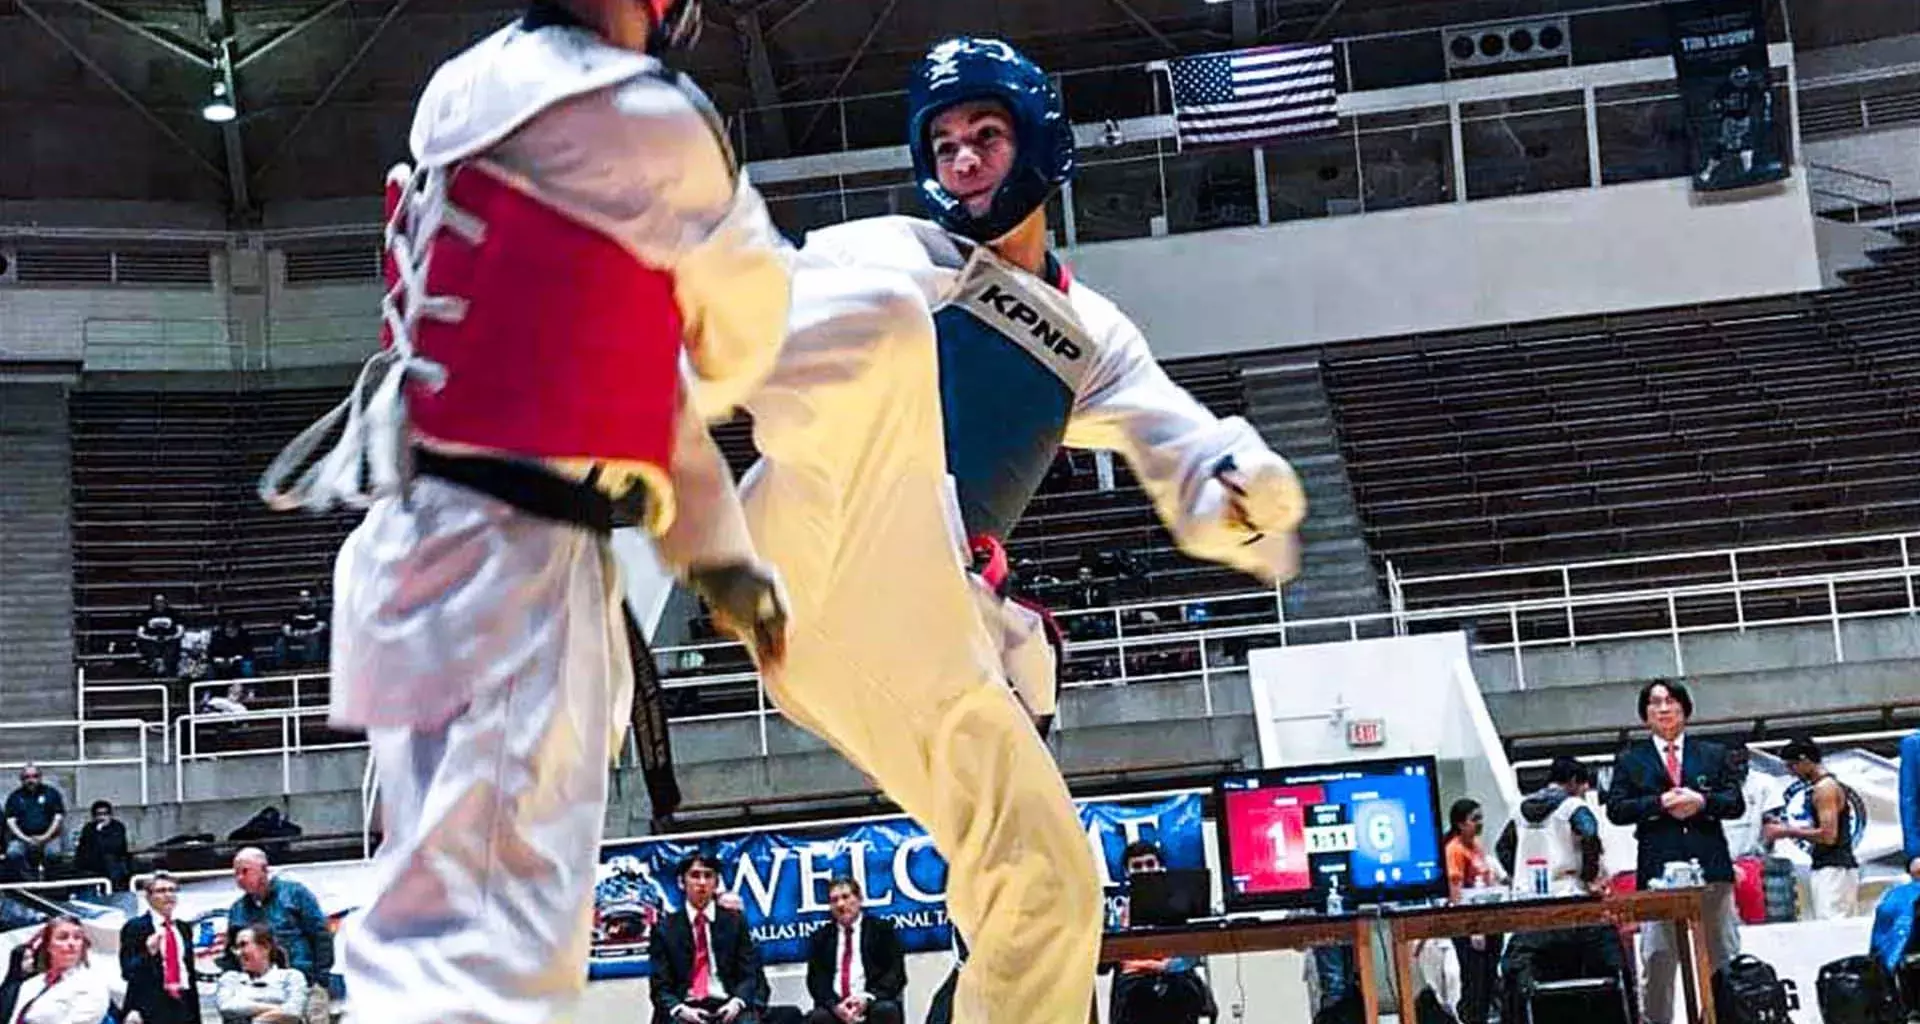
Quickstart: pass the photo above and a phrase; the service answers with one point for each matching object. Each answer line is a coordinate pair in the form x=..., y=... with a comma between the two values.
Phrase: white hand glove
x=1251, y=528
x=1267, y=496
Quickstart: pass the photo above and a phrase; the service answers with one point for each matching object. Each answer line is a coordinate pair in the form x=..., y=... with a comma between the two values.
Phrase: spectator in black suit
x=1675, y=791
x=161, y=987
x=706, y=969
x=856, y=967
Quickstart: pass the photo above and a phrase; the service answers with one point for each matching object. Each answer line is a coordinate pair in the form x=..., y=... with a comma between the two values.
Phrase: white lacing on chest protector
x=370, y=458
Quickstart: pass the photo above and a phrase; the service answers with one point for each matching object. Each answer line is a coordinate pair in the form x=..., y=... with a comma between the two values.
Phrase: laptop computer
x=1170, y=897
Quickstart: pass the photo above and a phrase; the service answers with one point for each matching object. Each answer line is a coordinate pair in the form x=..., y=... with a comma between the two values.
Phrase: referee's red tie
x=1673, y=763
x=702, y=960
x=846, y=961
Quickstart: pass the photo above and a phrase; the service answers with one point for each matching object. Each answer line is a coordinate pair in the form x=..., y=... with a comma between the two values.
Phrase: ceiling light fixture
x=219, y=107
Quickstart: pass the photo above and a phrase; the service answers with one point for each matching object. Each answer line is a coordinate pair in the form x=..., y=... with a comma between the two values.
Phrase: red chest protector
x=556, y=341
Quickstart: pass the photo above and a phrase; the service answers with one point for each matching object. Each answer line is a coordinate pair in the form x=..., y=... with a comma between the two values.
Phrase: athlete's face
x=972, y=151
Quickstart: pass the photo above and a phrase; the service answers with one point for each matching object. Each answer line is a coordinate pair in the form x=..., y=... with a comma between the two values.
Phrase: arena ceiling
x=101, y=99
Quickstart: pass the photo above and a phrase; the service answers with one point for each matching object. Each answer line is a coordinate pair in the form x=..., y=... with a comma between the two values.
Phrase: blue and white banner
x=781, y=877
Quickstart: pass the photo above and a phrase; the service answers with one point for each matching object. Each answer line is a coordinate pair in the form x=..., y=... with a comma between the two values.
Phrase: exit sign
x=1366, y=732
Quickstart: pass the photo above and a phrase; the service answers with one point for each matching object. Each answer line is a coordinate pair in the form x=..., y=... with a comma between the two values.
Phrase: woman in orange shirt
x=1469, y=867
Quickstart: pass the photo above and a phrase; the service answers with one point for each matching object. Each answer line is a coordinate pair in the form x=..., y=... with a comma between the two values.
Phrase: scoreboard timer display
x=1287, y=835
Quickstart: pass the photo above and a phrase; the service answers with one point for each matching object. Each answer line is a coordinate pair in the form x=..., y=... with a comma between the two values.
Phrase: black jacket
x=735, y=960
x=1639, y=779
x=145, y=975
x=881, y=956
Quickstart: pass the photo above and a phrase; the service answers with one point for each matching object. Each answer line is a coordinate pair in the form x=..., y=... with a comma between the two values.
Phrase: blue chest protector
x=1013, y=357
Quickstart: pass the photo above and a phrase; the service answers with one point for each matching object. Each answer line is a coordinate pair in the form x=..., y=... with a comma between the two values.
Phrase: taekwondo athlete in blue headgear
x=932, y=371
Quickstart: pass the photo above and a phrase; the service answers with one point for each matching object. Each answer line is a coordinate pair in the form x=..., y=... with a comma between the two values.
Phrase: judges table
x=1682, y=907
x=1251, y=935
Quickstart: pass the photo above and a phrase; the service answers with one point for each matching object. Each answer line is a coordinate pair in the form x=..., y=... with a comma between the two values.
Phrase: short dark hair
x=1142, y=848
x=698, y=858
x=1675, y=689
x=847, y=881
x=1567, y=771
x=1800, y=748
x=101, y=805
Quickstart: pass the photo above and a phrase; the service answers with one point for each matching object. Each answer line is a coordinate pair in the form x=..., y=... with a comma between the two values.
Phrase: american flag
x=1248, y=97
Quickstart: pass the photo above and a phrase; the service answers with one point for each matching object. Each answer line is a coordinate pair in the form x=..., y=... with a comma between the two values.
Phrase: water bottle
x=1698, y=874
x=1335, y=904
x=1537, y=870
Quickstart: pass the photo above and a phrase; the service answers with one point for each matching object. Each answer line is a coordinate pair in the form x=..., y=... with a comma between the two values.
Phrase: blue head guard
x=963, y=69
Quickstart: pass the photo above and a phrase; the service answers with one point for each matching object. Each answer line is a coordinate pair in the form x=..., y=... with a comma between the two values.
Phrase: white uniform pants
x=1835, y=892
x=888, y=656
x=1660, y=957
x=492, y=816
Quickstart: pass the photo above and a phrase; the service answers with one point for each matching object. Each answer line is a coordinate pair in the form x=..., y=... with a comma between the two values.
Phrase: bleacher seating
x=1728, y=425
x=165, y=503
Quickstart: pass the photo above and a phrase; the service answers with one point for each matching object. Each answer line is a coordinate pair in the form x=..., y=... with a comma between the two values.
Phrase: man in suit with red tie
x=1675, y=790
x=706, y=969
x=156, y=959
x=856, y=967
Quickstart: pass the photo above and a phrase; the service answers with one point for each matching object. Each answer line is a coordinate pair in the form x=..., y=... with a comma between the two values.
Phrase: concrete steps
x=1290, y=408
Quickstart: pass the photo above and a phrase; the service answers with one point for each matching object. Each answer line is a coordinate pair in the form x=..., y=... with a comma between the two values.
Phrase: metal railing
x=292, y=742
x=1739, y=565
x=306, y=690
x=82, y=760
x=64, y=885
x=1142, y=651
x=163, y=727
x=1861, y=196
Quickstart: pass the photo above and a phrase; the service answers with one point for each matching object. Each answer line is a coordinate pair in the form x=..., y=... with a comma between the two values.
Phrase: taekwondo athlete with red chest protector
x=932, y=372
x=578, y=276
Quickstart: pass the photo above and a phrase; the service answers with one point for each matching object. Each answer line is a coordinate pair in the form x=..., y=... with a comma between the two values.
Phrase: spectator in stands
x=1559, y=838
x=262, y=989
x=705, y=967
x=35, y=813
x=67, y=989
x=1910, y=801
x=230, y=652
x=102, y=851
x=232, y=702
x=158, y=639
x=1675, y=790
x=156, y=960
x=1157, y=989
x=290, y=912
x=1469, y=867
x=856, y=966
x=1835, y=881
x=303, y=635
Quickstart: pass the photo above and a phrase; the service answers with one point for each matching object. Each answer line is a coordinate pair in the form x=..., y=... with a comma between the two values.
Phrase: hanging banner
x=1720, y=60
x=781, y=877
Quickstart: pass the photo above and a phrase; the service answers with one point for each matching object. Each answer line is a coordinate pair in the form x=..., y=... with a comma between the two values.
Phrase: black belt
x=528, y=488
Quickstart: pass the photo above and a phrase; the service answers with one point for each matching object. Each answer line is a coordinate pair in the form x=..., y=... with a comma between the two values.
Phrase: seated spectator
x=705, y=968
x=35, y=813
x=856, y=966
x=264, y=989
x=102, y=851
x=67, y=989
x=230, y=652
x=233, y=702
x=303, y=635
x=1157, y=989
x=158, y=639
